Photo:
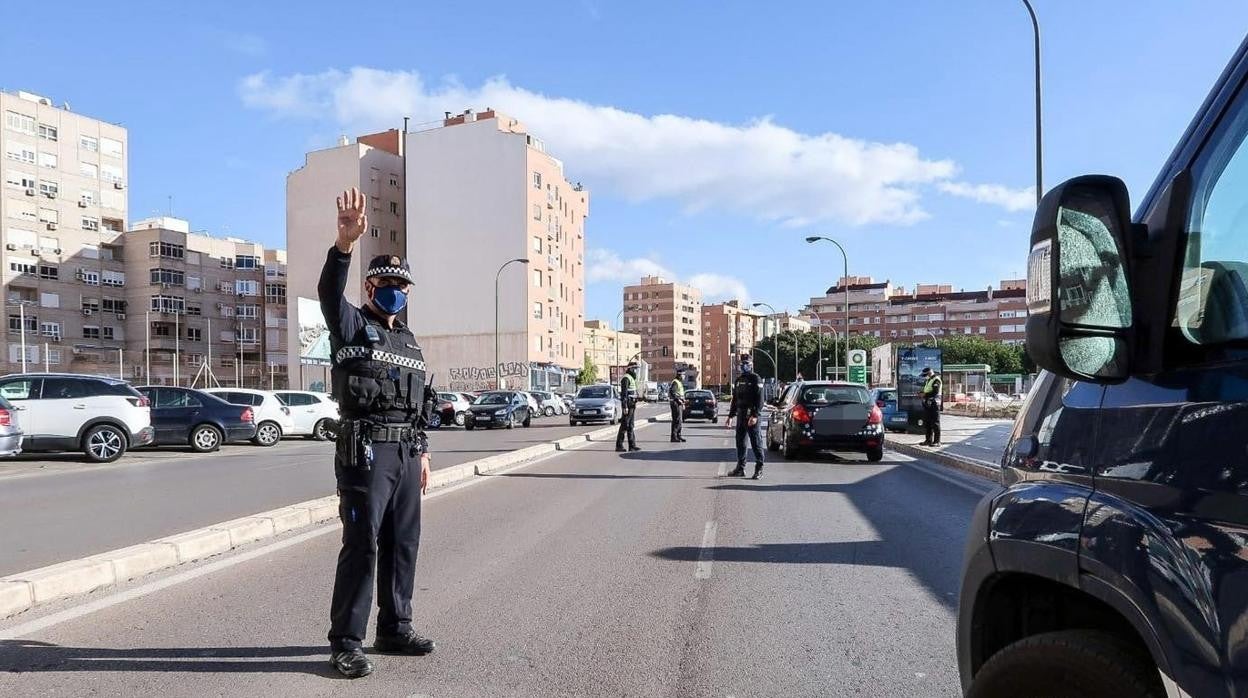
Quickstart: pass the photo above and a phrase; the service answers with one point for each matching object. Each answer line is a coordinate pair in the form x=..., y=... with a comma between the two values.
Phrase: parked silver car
x=10, y=430
x=595, y=403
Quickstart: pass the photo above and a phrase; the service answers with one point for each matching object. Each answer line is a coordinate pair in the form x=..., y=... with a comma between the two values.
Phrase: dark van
x=1114, y=559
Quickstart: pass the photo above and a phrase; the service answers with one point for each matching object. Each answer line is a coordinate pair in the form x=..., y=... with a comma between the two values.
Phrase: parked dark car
x=499, y=408
x=828, y=416
x=1113, y=559
x=701, y=404
x=186, y=417
x=894, y=418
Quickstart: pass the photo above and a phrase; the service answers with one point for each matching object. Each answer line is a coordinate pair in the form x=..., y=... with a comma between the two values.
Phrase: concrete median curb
x=24, y=590
x=966, y=464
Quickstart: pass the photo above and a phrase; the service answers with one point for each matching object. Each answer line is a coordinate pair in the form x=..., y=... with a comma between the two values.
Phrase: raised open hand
x=352, y=219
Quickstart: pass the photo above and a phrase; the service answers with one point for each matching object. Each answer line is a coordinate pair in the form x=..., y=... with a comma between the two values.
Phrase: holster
x=353, y=446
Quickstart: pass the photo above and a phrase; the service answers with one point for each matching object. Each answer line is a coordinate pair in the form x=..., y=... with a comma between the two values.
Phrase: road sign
x=857, y=366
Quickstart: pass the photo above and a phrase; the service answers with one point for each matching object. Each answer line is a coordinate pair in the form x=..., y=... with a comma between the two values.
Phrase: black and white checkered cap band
x=396, y=272
x=349, y=353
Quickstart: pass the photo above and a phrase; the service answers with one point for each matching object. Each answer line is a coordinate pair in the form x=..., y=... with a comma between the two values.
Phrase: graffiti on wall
x=483, y=377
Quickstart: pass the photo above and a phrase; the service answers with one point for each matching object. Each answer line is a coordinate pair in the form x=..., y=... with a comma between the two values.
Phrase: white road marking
x=706, y=554
x=54, y=619
x=723, y=469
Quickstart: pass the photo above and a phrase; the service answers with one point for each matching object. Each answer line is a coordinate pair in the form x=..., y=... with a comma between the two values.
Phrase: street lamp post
x=498, y=367
x=836, y=360
x=844, y=279
x=775, y=360
x=1035, y=27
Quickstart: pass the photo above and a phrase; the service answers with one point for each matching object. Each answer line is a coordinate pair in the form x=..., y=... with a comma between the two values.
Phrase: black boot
x=352, y=664
x=634, y=447
x=683, y=439
x=404, y=643
x=620, y=449
x=738, y=471
x=758, y=472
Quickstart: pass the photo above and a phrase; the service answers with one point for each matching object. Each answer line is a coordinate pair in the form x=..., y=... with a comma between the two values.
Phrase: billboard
x=313, y=333
x=882, y=365
x=910, y=364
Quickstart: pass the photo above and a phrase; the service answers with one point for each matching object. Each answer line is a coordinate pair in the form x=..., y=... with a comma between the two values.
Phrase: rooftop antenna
x=170, y=205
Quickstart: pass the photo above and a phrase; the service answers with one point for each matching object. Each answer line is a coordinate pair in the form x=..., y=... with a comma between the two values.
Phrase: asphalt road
x=54, y=509
x=586, y=574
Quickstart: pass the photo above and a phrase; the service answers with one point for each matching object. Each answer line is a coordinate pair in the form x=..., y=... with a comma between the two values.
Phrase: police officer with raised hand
x=746, y=406
x=628, y=405
x=382, y=458
x=931, y=406
x=676, y=397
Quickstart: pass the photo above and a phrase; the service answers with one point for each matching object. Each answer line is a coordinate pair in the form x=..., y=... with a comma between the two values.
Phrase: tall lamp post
x=498, y=367
x=844, y=279
x=836, y=360
x=775, y=360
x=1035, y=28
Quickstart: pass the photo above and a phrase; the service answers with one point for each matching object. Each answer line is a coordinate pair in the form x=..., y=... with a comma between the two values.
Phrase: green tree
x=588, y=374
x=807, y=350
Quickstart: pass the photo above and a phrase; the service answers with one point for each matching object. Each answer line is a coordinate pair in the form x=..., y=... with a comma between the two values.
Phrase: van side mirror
x=1078, y=290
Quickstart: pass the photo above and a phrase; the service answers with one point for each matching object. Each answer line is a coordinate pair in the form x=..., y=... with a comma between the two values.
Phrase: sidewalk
x=967, y=443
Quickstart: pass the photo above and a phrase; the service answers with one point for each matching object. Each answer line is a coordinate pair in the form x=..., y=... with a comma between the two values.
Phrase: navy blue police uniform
x=379, y=380
x=747, y=403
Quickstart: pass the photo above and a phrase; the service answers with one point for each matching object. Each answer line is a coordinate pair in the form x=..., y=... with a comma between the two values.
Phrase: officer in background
x=931, y=406
x=676, y=397
x=746, y=406
x=382, y=458
x=628, y=403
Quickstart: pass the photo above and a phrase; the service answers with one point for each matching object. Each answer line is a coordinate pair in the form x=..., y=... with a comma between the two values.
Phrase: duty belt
x=353, y=352
x=389, y=433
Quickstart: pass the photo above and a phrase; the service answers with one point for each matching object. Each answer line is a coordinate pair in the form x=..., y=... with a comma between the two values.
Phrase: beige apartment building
x=198, y=308
x=63, y=204
x=606, y=347
x=668, y=316
x=728, y=330
x=374, y=164
x=482, y=191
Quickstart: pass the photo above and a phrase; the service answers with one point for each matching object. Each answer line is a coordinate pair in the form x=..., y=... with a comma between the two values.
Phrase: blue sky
x=713, y=136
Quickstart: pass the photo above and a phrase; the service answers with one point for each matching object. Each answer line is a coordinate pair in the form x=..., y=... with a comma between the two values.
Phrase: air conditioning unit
x=121, y=316
x=118, y=185
x=198, y=290
x=220, y=306
x=87, y=311
x=37, y=253
x=30, y=191
x=82, y=204
x=11, y=247
x=50, y=194
x=56, y=251
x=51, y=226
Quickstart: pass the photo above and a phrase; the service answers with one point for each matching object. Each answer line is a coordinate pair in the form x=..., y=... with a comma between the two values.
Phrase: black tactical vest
x=379, y=373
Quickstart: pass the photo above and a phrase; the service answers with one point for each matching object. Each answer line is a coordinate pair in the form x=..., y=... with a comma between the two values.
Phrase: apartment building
x=276, y=327
x=929, y=310
x=785, y=322
x=607, y=347
x=668, y=316
x=196, y=308
x=63, y=204
x=482, y=191
x=374, y=164
x=728, y=330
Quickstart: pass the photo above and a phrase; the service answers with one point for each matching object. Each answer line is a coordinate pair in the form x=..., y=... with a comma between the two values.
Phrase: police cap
x=389, y=266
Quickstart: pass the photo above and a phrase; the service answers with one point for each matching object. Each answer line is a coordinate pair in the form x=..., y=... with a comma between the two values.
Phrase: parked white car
x=550, y=403
x=102, y=417
x=458, y=411
x=313, y=413
x=10, y=430
x=535, y=406
x=273, y=419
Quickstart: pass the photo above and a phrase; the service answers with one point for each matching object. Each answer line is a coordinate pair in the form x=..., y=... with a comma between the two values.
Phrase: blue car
x=886, y=399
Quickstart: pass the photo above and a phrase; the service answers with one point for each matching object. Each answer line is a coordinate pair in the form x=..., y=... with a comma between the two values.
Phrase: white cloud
x=760, y=168
x=606, y=265
x=1009, y=199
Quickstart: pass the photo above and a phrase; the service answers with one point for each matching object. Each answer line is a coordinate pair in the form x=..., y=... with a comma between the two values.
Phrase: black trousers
x=744, y=429
x=626, y=428
x=678, y=419
x=931, y=422
x=380, y=512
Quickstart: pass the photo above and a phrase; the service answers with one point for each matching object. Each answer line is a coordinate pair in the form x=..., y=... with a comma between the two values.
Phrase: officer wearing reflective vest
x=676, y=396
x=628, y=404
x=382, y=458
x=931, y=407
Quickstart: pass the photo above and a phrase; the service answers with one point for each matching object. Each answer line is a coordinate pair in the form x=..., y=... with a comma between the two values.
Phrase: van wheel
x=875, y=455
x=267, y=434
x=104, y=444
x=321, y=431
x=205, y=439
x=1089, y=663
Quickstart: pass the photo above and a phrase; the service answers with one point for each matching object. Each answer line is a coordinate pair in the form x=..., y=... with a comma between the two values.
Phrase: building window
x=537, y=278
x=374, y=231
x=110, y=173
x=227, y=263
x=247, y=288
x=537, y=310
x=394, y=181
x=194, y=309
x=166, y=250
x=15, y=323
x=89, y=223
x=110, y=147
x=109, y=332
x=49, y=215
x=90, y=143
x=249, y=335
x=48, y=189
x=537, y=212
x=114, y=278
x=394, y=236
x=15, y=121
x=168, y=276
x=114, y=305
x=47, y=132
x=49, y=272
x=275, y=293
x=50, y=329
x=195, y=334
x=90, y=331
x=249, y=311
x=22, y=266
x=537, y=244
x=49, y=300
x=394, y=207
x=537, y=180
x=162, y=329
x=243, y=261
x=20, y=153
x=48, y=160
x=168, y=304
x=537, y=343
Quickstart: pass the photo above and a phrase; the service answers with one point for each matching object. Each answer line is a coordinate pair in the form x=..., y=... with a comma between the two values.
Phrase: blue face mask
x=389, y=299
x=747, y=367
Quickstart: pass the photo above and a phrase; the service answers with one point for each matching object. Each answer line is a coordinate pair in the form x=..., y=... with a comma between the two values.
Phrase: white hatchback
x=313, y=412
x=273, y=419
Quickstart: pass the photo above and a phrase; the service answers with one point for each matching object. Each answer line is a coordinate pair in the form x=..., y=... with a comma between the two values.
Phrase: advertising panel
x=910, y=364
